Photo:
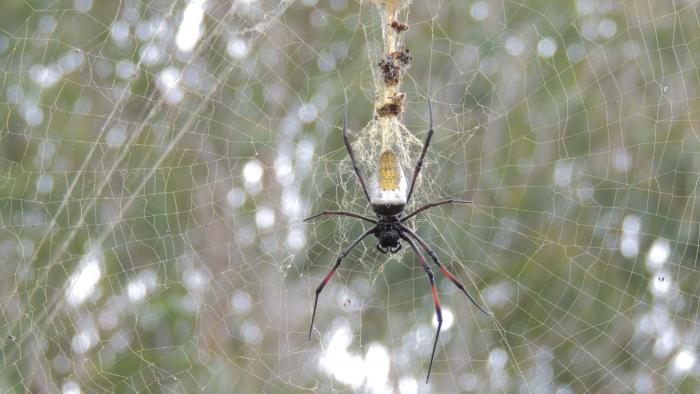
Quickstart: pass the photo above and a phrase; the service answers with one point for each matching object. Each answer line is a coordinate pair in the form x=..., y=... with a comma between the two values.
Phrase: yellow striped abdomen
x=388, y=189
x=388, y=171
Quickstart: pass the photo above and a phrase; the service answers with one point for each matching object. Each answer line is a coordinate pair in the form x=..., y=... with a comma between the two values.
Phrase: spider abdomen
x=388, y=171
x=388, y=196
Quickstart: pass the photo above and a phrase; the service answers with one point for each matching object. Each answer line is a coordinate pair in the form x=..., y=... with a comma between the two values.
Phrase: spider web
x=157, y=158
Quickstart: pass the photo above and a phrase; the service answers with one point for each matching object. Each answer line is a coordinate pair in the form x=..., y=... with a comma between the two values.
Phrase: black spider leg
x=352, y=155
x=419, y=164
x=444, y=270
x=433, y=204
x=438, y=310
x=332, y=271
x=341, y=213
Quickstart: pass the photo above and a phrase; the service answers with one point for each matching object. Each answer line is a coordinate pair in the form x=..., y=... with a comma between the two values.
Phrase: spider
x=388, y=198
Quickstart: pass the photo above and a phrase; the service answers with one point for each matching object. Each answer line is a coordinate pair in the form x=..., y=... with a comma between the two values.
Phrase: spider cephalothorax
x=388, y=197
x=388, y=232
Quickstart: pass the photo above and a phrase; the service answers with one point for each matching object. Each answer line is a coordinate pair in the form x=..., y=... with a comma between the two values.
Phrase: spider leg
x=433, y=204
x=438, y=310
x=444, y=270
x=352, y=155
x=341, y=213
x=332, y=271
x=419, y=164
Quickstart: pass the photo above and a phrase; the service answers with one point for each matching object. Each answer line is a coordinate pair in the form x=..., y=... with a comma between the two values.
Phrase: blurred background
x=157, y=158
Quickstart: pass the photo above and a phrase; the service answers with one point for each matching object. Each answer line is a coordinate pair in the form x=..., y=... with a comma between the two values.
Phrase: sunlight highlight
x=629, y=242
x=191, y=26
x=70, y=387
x=352, y=369
x=684, y=360
x=448, y=318
x=337, y=361
x=658, y=254
x=661, y=284
x=168, y=82
x=408, y=385
x=82, y=283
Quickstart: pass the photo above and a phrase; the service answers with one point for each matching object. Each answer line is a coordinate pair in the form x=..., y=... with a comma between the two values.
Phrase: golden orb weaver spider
x=388, y=198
